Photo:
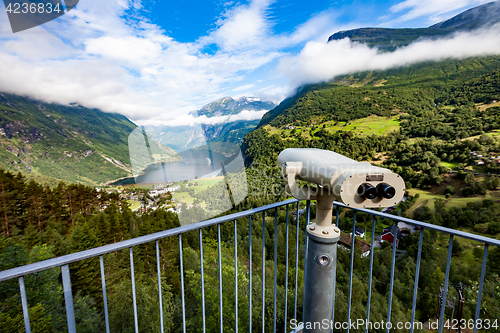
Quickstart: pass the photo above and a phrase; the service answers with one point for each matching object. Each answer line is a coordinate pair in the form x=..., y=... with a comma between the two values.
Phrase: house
x=388, y=235
x=301, y=211
x=345, y=241
x=479, y=162
x=163, y=190
x=359, y=232
x=406, y=229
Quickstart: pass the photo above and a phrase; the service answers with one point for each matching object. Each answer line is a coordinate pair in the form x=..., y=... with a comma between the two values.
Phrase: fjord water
x=194, y=163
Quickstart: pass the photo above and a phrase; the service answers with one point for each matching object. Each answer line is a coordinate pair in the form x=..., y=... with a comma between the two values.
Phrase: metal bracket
x=321, y=230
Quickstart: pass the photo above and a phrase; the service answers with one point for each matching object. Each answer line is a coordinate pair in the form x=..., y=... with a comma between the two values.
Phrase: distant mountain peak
x=476, y=17
x=229, y=106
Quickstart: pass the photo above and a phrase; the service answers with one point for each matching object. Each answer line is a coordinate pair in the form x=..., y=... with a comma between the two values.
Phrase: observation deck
x=258, y=296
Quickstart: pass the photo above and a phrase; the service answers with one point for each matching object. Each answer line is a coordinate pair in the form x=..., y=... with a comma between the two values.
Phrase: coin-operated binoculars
x=357, y=185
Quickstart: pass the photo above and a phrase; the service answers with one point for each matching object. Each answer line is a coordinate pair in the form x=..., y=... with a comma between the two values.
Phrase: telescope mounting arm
x=290, y=172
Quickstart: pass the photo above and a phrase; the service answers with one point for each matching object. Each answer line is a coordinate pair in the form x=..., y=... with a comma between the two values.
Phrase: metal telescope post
x=321, y=258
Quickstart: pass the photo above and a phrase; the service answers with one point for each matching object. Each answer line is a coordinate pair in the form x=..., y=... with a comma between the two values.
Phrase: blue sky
x=162, y=59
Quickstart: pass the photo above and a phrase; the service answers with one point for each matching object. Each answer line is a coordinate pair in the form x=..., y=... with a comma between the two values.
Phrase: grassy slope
x=372, y=125
x=48, y=141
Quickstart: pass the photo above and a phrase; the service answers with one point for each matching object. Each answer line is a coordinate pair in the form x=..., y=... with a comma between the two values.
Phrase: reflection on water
x=153, y=162
x=194, y=163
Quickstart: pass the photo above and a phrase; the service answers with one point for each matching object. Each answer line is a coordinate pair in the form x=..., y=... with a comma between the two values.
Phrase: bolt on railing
x=65, y=261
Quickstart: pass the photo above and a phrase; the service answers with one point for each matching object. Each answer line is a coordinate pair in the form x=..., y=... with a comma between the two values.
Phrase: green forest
x=34, y=228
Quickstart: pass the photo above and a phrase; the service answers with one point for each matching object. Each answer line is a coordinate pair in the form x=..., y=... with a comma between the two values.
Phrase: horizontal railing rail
x=64, y=261
x=479, y=238
x=98, y=251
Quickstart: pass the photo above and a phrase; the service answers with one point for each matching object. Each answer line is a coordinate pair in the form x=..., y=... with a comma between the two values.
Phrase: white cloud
x=244, y=27
x=103, y=54
x=244, y=87
x=97, y=56
x=190, y=120
x=322, y=62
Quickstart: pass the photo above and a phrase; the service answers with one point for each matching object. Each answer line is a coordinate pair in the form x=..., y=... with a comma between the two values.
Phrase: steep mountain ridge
x=53, y=142
x=382, y=93
x=440, y=73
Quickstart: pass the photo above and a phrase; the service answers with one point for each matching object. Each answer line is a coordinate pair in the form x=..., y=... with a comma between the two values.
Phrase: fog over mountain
x=475, y=32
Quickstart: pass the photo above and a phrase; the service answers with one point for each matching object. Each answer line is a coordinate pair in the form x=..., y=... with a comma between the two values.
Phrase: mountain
x=441, y=74
x=419, y=119
x=224, y=120
x=384, y=93
x=228, y=106
x=53, y=142
x=232, y=131
x=389, y=39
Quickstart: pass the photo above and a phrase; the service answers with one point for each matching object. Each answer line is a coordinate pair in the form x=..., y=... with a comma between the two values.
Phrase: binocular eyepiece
x=356, y=184
x=370, y=192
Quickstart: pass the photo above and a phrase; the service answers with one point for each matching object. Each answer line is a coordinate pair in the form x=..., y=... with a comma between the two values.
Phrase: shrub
x=449, y=190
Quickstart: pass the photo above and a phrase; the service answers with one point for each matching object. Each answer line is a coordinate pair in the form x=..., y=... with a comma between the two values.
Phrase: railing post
x=321, y=262
x=68, y=299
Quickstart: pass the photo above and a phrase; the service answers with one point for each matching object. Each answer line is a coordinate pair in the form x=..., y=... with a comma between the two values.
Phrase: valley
x=74, y=178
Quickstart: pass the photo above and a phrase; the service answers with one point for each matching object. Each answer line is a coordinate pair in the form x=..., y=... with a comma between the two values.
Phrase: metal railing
x=64, y=261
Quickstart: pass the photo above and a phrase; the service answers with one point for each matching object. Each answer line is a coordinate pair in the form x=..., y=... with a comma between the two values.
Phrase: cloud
x=190, y=120
x=106, y=55
x=244, y=27
x=244, y=87
x=322, y=62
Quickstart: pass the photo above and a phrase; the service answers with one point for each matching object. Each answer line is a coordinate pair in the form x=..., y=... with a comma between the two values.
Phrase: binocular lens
x=386, y=190
x=367, y=191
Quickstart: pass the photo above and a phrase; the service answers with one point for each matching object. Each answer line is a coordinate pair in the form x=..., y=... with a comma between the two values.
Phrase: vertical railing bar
x=393, y=266
x=349, y=299
x=335, y=269
x=296, y=260
x=104, y=295
x=370, y=274
x=308, y=219
x=134, y=298
x=286, y=271
x=220, y=277
x=250, y=273
x=480, y=291
x=236, y=275
x=275, y=263
x=448, y=263
x=182, y=285
x=68, y=299
x=24, y=302
x=159, y=284
x=417, y=273
x=263, y=269
x=202, y=280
